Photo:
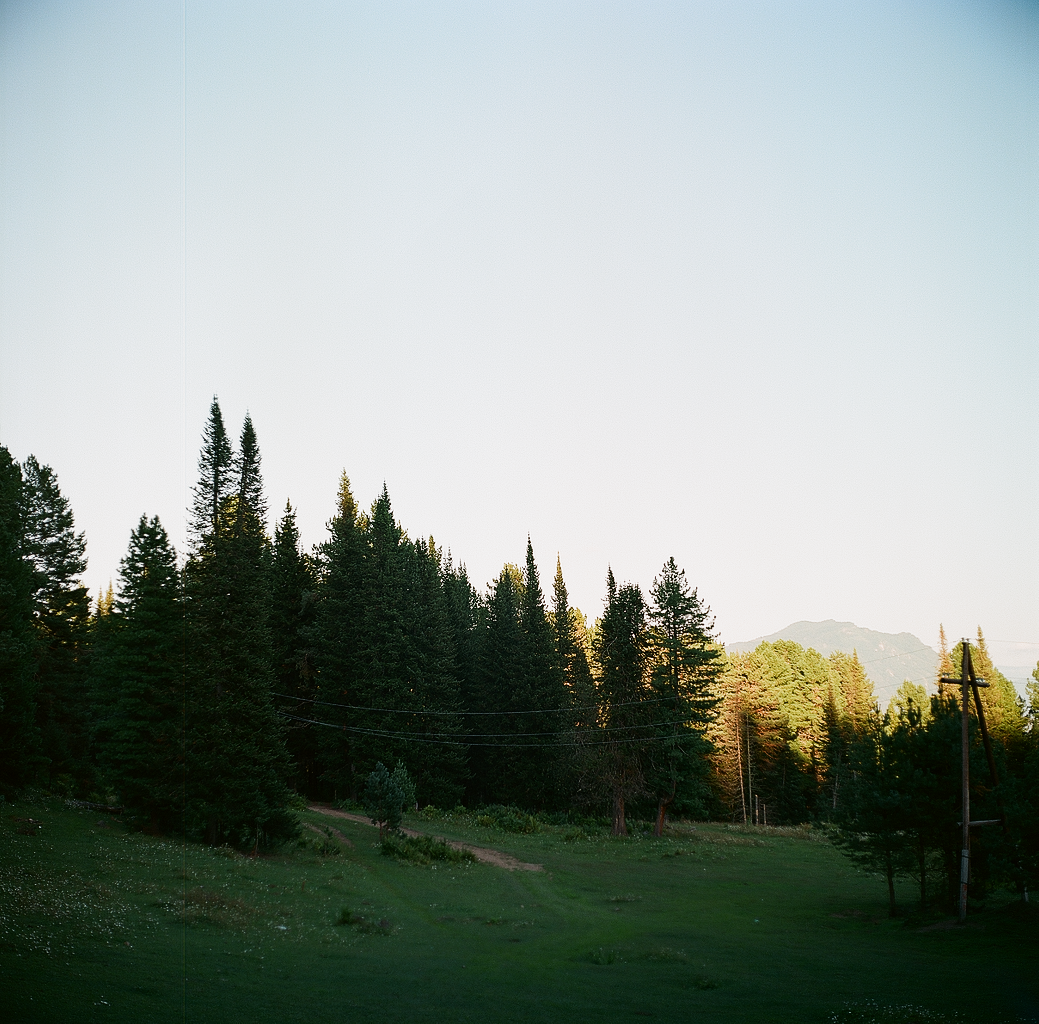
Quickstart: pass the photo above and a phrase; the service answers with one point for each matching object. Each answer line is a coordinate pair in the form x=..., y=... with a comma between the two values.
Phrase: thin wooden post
x=750, y=779
x=739, y=768
x=965, y=673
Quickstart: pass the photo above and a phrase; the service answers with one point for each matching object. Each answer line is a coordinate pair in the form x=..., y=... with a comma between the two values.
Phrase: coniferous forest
x=214, y=689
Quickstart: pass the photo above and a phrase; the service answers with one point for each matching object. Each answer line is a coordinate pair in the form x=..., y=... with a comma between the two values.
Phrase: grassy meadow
x=709, y=923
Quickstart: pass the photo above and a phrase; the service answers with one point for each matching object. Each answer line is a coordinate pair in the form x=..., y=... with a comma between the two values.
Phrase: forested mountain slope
x=888, y=658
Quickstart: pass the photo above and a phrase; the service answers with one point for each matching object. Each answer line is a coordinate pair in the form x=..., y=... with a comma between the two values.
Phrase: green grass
x=98, y=923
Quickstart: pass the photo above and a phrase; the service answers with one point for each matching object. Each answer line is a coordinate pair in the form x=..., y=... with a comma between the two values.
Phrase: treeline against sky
x=208, y=694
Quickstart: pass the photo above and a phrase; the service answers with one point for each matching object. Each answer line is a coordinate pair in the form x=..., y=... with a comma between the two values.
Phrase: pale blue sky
x=754, y=285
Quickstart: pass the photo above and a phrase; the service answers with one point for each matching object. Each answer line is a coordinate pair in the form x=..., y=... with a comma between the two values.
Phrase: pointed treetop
x=561, y=599
x=105, y=600
x=286, y=533
x=214, y=476
x=56, y=552
x=250, y=482
x=945, y=665
x=982, y=646
x=346, y=507
x=532, y=582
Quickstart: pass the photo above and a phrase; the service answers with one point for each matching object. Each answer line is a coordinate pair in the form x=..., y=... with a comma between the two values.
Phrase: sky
x=753, y=285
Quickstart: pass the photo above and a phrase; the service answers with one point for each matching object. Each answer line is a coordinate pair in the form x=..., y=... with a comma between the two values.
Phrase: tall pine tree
x=237, y=763
x=21, y=755
x=385, y=656
x=138, y=682
x=684, y=663
x=541, y=769
x=61, y=607
x=621, y=650
x=500, y=694
x=293, y=584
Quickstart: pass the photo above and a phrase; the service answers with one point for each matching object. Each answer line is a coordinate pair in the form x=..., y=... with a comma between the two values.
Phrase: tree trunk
x=212, y=830
x=892, y=909
x=662, y=809
x=620, y=827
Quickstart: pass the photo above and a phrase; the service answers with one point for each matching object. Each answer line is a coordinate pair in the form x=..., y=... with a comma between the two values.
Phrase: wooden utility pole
x=969, y=679
x=965, y=780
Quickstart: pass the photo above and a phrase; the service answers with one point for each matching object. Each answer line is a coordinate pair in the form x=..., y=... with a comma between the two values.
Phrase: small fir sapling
x=386, y=795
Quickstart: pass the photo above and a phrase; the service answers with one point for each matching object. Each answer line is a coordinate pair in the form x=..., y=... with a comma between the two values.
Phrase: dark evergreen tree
x=335, y=637
x=293, y=585
x=540, y=770
x=61, y=607
x=137, y=677
x=216, y=481
x=439, y=769
x=627, y=718
x=873, y=827
x=21, y=757
x=466, y=614
x=684, y=664
x=571, y=663
x=385, y=656
x=500, y=692
x=236, y=758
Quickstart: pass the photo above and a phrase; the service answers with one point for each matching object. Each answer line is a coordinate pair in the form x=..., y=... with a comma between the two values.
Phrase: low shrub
x=323, y=845
x=508, y=819
x=424, y=850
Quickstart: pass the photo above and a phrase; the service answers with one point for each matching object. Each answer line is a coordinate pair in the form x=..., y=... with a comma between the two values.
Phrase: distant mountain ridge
x=888, y=658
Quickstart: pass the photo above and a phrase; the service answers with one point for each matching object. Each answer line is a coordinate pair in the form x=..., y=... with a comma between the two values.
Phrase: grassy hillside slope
x=712, y=923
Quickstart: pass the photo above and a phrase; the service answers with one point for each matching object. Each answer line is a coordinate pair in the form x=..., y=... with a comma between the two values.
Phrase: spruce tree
x=501, y=691
x=540, y=770
x=61, y=610
x=684, y=662
x=571, y=662
x=850, y=711
x=138, y=682
x=237, y=764
x=335, y=638
x=293, y=584
x=1004, y=710
x=945, y=669
x=439, y=769
x=874, y=828
x=466, y=613
x=21, y=755
x=215, y=483
x=385, y=656
x=621, y=650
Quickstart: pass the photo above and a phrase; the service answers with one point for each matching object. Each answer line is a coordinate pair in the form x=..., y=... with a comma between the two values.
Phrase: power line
x=419, y=737
x=554, y=732
x=534, y=711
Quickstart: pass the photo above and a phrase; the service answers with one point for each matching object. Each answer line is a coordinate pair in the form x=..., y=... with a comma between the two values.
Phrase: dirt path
x=481, y=853
x=335, y=832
